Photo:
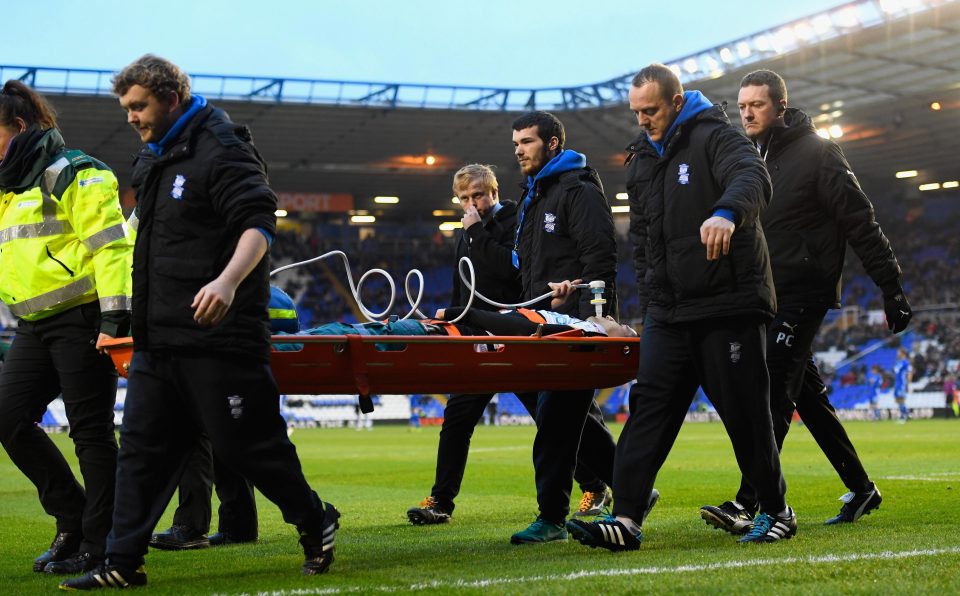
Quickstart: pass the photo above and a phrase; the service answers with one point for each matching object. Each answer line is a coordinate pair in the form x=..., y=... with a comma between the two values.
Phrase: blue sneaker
x=771, y=528
x=540, y=531
x=605, y=532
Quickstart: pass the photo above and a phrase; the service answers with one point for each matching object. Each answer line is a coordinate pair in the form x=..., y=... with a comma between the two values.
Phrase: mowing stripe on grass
x=502, y=581
x=495, y=449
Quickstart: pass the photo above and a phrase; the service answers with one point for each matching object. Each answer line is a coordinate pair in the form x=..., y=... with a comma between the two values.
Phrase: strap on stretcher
x=359, y=364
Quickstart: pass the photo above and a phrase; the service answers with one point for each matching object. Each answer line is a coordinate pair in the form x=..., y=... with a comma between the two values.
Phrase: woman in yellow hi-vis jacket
x=65, y=262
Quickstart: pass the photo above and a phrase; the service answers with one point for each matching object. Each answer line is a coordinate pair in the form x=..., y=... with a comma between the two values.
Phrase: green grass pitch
x=911, y=545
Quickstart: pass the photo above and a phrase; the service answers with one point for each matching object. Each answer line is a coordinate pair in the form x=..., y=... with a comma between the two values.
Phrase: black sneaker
x=318, y=551
x=79, y=563
x=429, y=512
x=771, y=528
x=593, y=503
x=605, y=532
x=180, y=538
x=222, y=538
x=731, y=517
x=856, y=505
x=106, y=576
x=64, y=546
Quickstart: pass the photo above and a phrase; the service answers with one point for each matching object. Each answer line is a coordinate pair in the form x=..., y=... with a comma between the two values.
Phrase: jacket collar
x=197, y=103
x=29, y=154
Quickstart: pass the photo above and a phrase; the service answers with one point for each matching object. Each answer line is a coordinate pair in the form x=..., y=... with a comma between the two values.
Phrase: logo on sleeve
x=177, y=190
x=684, y=174
x=89, y=181
x=550, y=223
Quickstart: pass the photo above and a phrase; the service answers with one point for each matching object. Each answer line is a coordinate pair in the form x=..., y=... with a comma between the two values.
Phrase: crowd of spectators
x=923, y=235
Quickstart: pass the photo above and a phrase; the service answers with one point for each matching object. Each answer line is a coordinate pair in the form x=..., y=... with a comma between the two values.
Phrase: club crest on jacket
x=177, y=190
x=549, y=222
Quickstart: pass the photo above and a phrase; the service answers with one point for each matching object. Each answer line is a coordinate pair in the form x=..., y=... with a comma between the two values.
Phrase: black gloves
x=898, y=311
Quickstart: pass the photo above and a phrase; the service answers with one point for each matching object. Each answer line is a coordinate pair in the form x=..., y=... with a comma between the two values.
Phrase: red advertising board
x=315, y=201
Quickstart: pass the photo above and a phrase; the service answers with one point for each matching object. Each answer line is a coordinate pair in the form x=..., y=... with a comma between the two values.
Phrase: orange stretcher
x=397, y=364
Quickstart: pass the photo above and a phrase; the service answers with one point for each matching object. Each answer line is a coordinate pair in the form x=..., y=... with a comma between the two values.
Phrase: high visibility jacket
x=63, y=240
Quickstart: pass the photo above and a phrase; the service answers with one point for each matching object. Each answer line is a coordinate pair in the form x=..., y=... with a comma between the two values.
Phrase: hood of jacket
x=694, y=103
x=564, y=161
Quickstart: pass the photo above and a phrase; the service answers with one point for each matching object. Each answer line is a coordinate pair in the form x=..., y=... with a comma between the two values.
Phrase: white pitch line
x=503, y=581
x=927, y=478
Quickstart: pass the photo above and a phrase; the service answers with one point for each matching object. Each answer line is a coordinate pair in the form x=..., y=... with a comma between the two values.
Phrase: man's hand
x=100, y=339
x=562, y=291
x=715, y=234
x=898, y=311
x=212, y=302
x=470, y=217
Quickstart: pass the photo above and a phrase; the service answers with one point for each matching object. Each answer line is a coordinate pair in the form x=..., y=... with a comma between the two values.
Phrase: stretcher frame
x=368, y=365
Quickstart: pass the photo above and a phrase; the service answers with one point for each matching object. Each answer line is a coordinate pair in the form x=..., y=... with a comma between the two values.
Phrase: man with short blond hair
x=487, y=239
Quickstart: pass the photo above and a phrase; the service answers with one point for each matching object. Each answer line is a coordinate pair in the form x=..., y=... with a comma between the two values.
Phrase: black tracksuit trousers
x=204, y=471
x=460, y=418
x=570, y=435
x=726, y=357
x=55, y=356
x=795, y=382
x=173, y=400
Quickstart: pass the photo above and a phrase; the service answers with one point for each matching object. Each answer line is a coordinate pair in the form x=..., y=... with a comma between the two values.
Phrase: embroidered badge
x=684, y=175
x=236, y=406
x=549, y=223
x=177, y=190
x=735, y=352
x=88, y=181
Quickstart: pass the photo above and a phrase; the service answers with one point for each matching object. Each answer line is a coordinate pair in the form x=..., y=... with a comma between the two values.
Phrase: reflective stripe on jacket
x=64, y=242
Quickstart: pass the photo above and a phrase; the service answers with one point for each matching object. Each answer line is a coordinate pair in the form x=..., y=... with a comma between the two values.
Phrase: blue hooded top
x=562, y=162
x=694, y=103
x=197, y=103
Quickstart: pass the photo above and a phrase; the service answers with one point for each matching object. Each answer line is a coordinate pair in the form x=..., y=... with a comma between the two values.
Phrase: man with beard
x=564, y=232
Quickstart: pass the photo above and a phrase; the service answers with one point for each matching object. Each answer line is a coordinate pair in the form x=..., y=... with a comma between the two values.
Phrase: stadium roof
x=869, y=69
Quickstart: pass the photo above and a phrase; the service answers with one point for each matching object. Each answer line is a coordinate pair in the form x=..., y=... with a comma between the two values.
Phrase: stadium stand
x=873, y=72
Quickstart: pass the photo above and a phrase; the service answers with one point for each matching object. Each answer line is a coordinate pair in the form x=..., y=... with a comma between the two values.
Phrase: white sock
x=629, y=524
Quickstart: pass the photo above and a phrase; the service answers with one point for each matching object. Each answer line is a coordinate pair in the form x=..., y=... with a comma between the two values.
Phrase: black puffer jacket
x=817, y=208
x=489, y=245
x=706, y=165
x=568, y=234
x=193, y=203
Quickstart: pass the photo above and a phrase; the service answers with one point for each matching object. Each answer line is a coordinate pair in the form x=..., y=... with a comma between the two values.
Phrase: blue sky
x=511, y=43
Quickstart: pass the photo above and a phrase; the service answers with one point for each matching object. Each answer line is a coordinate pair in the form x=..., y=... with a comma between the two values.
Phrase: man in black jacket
x=817, y=209
x=564, y=232
x=200, y=323
x=489, y=225
x=696, y=188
